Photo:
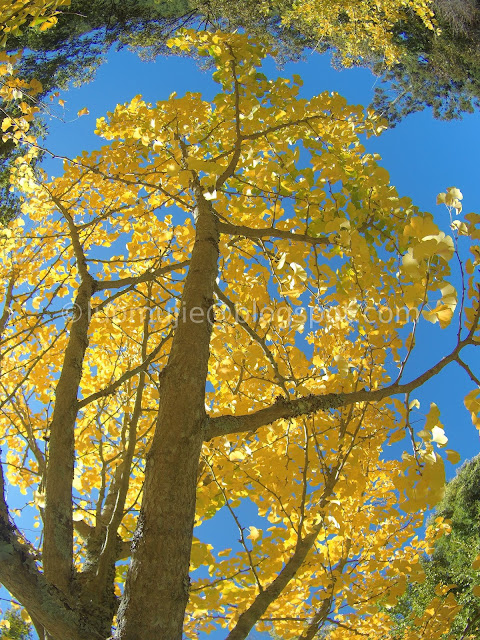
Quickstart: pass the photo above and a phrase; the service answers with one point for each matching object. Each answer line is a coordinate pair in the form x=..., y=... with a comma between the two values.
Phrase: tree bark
x=58, y=544
x=157, y=585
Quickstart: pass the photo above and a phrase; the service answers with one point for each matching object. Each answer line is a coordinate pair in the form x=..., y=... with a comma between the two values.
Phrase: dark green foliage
x=437, y=71
x=75, y=47
x=9, y=152
x=19, y=629
x=452, y=558
x=9, y=204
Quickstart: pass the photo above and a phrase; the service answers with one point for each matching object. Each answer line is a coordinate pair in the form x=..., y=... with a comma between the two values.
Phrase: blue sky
x=423, y=156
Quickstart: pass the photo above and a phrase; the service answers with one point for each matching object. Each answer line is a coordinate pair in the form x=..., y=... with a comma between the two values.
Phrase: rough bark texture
x=157, y=586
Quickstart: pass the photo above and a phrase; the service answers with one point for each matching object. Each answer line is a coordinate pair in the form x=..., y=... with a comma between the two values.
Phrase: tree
x=84, y=32
x=204, y=312
x=452, y=567
x=359, y=30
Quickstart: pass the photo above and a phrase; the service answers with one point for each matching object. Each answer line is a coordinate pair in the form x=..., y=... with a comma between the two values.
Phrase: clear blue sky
x=423, y=156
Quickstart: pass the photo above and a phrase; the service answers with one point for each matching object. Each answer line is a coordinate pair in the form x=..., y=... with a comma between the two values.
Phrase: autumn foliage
x=358, y=29
x=214, y=309
x=20, y=14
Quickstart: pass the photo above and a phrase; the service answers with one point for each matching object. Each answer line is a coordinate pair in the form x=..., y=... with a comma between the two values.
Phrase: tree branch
x=144, y=277
x=264, y=599
x=285, y=409
x=232, y=165
x=292, y=123
x=322, y=614
x=470, y=373
x=58, y=531
x=270, y=232
x=109, y=552
x=125, y=377
x=8, y=302
x=85, y=531
x=261, y=341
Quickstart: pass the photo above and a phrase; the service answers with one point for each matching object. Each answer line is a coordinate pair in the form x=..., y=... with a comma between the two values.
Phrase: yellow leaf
x=254, y=534
x=439, y=437
x=453, y=456
x=6, y=123
x=455, y=193
x=25, y=616
x=342, y=366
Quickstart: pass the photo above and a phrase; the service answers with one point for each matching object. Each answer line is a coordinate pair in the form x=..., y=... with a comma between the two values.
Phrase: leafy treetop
x=85, y=30
x=436, y=69
x=359, y=29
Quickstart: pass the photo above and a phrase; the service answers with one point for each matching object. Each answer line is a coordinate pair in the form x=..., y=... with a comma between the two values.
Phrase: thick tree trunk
x=157, y=586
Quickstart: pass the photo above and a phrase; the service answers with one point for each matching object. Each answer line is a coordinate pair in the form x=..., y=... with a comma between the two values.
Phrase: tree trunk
x=157, y=585
x=58, y=534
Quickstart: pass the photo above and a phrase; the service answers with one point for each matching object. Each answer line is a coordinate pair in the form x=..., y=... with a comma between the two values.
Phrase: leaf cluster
x=14, y=627
x=84, y=32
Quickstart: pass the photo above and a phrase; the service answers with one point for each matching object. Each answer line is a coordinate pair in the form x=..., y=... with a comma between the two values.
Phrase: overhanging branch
x=285, y=409
x=269, y=232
